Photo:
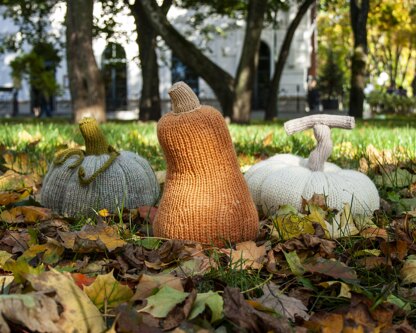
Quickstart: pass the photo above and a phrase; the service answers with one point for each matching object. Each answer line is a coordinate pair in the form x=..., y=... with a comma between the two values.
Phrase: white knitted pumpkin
x=79, y=183
x=286, y=179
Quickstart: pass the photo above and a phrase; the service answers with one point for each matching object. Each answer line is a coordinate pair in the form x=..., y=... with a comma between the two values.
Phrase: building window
x=181, y=72
x=262, y=81
x=115, y=77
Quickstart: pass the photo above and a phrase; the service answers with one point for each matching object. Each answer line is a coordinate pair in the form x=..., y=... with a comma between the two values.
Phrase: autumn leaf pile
x=109, y=274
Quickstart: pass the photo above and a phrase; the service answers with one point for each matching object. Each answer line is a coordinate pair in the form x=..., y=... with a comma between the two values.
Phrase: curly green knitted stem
x=95, y=144
x=62, y=156
x=105, y=166
x=95, y=141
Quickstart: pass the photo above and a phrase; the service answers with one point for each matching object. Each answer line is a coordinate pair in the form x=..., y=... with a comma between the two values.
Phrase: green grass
x=397, y=136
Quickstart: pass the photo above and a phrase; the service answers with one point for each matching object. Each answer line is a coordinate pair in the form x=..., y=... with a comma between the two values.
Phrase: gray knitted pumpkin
x=79, y=183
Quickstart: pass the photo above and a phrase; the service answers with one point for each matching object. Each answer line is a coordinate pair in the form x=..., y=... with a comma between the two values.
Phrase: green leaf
x=211, y=299
x=295, y=265
x=399, y=302
x=149, y=243
x=21, y=269
x=106, y=290
x=51, y=252
x=160, y=304
x=367, y=252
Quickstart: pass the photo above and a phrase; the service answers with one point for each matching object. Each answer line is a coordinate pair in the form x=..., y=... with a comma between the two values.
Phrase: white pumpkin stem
x=321, y=125
x=301, y=124
x=323, y=149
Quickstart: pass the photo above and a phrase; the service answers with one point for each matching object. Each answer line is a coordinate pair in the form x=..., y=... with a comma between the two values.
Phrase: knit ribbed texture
x=184, y=97
x=205, y=197
x=78, y=184
x=95, y=141
x=301, y=124
x=323, y=148
x=286, y=179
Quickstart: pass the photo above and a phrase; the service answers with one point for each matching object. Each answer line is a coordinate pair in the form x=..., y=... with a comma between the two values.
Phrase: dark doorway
x=181, y=72
x=262, y=81
x=114, y=70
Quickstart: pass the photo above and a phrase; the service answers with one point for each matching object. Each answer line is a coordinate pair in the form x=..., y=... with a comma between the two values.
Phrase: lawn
x=299, y=278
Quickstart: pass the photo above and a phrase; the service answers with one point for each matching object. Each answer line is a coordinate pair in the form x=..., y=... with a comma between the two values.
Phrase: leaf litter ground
x=317, y=270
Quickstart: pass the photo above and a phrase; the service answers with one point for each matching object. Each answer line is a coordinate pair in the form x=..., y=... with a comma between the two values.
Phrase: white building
x=123, y=82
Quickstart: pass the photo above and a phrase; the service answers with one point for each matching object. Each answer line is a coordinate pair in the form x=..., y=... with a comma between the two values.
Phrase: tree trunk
x=359, y=14
x=85, y=82
x=150, y=104
x=247, y=66
x=219, y=80
x=272, y=100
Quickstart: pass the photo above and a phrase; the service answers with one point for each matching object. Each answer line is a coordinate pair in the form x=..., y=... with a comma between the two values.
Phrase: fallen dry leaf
x=34, y=311
x=374, y=233
x=245, y=317
x=268, y=139
x=408, y=271
x=99, y=238
x=21, y=162
x=26, y=214
x=289, y=307
x=394, y=250
x=332, y=268
x=75, y=306
x=7, y=198
x=107, y=292
x=161, y=303
x=246, y=255
x=50, y=253
x=326, y=323
x=149, y=283
x=12, y=181
x=82, y=280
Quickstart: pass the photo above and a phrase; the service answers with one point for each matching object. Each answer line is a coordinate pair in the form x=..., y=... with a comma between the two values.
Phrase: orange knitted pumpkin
x=206, y=198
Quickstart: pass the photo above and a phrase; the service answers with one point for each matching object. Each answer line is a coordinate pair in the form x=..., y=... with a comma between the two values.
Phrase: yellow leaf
x=104, y=212
x=268, y=139
x=106, y=291
x=343, y=224
x=292, y=225
x=4, y=257
x=97, y=238
x=26, y=214
x=344, y=291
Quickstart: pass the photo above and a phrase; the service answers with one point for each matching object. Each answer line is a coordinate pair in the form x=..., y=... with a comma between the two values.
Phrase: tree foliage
x=38, y=67
x=391, y=41
x=33, y=21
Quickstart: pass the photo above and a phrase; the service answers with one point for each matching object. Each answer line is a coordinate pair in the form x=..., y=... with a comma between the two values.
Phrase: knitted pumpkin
x=205, y=196
x=286, y=179
x=80, y=182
